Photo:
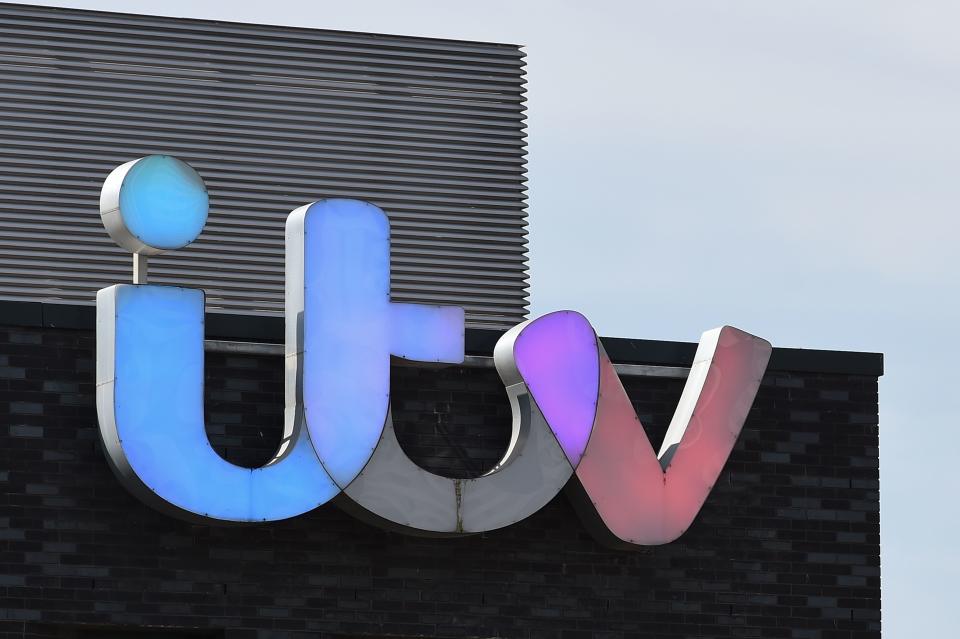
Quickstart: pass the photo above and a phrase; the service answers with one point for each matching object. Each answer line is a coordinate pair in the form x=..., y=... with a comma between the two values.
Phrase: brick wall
x=787, y=545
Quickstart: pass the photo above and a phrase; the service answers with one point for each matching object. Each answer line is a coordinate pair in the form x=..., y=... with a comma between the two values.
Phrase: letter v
x=626, y=494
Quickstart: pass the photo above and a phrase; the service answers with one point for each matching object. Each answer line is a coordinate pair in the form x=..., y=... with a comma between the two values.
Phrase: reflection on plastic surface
x=150, y=402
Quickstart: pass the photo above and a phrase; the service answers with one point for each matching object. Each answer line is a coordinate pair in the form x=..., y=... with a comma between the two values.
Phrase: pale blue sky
x=786, y=167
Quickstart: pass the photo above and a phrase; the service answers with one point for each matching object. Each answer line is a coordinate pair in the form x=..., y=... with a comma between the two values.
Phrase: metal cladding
x=431, y=131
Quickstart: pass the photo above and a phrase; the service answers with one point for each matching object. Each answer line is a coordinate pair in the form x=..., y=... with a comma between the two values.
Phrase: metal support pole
x=139, y=268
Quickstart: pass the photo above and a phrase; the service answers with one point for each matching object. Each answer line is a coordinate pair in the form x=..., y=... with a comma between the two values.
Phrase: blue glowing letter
x=338, y=280
x=150, y=371
x=150, y=404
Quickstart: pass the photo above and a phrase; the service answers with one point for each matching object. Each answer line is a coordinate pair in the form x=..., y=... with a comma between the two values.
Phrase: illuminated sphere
x=154, y=204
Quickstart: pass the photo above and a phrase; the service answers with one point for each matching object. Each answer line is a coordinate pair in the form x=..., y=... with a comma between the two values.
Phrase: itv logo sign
x=573, y=424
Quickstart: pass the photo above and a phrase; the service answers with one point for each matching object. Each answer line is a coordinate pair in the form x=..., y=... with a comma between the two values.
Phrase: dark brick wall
x=786, y=546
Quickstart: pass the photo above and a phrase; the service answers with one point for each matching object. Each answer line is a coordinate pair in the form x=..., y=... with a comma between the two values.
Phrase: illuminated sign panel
x=573, y=424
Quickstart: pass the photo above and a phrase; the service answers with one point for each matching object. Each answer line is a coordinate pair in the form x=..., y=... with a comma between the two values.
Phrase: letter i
x=150, y=365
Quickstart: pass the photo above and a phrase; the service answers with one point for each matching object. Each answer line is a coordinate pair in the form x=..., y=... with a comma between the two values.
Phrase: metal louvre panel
x=432, y=131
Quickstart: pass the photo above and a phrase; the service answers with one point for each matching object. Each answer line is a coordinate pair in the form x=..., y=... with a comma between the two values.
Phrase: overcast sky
x=785, y=167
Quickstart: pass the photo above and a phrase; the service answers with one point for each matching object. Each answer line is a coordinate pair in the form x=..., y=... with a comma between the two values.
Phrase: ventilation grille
x=431, y=131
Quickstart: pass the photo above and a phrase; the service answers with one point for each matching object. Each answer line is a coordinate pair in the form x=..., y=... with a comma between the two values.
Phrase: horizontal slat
x=57, y=117
x=243, y=34
x=48, y=44
x=282, y=87
x=75, y=142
